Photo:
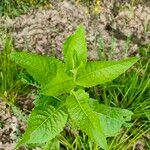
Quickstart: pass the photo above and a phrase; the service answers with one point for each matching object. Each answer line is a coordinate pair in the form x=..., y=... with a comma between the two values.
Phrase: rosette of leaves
x=62, y=85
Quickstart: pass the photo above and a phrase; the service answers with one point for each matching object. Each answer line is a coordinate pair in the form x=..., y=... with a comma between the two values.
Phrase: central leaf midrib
x=47, y=118
x=98, y=70
x=83, y=110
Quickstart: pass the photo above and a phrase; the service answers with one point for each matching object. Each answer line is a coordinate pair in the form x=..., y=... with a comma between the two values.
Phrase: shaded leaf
x=48, y=100
x=62, y=83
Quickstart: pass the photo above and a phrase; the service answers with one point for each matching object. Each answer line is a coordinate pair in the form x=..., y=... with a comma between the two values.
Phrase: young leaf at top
x=44, y=124
x=75, y=49
x=111, y=118
x=81, y=112
x=98, y=72
x=41, y=68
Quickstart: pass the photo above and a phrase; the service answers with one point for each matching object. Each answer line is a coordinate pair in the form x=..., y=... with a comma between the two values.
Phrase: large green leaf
x=41, y=68
x=44, y=124
x=81, y=112
x=75, y=50
x=111, y=118
x=60, y=84
x=100, y=72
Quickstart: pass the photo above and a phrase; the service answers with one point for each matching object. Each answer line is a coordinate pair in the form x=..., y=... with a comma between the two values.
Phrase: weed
x=62, y=98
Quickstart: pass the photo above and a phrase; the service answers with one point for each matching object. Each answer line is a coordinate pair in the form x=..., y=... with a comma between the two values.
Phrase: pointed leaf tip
x=99, y=72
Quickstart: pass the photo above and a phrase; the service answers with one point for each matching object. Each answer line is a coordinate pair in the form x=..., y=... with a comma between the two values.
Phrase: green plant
x=62, y=97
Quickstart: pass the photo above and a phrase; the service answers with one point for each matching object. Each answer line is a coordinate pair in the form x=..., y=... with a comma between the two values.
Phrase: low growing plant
x=63, y=98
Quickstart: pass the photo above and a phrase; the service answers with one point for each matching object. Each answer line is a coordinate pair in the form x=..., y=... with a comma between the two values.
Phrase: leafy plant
x=62, y=95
